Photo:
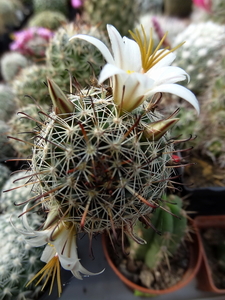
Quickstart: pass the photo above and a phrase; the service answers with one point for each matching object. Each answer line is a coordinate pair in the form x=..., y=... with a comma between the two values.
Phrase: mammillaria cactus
x=20, y=127
x=32, y=41
x=7, y=102
x=57, y=5
x=64, y=56
x=18, y=261
x=47, y=19
x=7, y=150
x=10, y=14
x=11, y=64
x=30, y=82
x=102, y=159
x=200, y=53
x=123, y=15
x=4, y=175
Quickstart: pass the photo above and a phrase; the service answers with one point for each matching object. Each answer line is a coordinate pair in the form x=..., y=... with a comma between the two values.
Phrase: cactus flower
x=61, y=248
x=137, y=71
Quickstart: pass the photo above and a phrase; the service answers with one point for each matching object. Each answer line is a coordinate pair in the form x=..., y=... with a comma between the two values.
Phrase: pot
x=205, y=279
x=194, y=264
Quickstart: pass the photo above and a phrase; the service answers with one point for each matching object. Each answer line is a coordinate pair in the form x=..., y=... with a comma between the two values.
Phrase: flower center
x=51, y=269
x=129, y=71
x=149, y=56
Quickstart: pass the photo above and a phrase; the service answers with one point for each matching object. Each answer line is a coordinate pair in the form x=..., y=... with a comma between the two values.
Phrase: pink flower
x=205, y=4
x=31, y=41
x=76, y=3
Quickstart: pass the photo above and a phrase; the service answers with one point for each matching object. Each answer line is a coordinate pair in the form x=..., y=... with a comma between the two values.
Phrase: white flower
x=137, y=71
x=61, y=248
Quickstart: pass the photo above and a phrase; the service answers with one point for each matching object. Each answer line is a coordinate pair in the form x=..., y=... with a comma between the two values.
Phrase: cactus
x=218, y=10
x=30, y=82
x=103, y=157
x=160, y=246
x=200, y=53
x=123, y=15
x=57, y=5
x=7, y=102
x=62, y=55
x=9, y=14
x=21, y=127
x=103, y=163
x=18, y=261
x=4, y=175
x=31, y=42
x=11, y=64
x=7, y=150
x=10, y=198
x=51, y=20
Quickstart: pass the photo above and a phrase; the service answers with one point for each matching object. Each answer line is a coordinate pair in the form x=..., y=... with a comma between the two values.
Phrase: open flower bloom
x=138, y=71
x=61, y=249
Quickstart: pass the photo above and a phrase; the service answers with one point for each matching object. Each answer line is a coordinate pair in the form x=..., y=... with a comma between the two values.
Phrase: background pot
x=194, y=264
x=205, y=279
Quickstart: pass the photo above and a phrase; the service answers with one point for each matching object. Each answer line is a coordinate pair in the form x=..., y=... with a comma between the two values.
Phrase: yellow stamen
x=52, y=268
x=148, y=55
x=130, y=72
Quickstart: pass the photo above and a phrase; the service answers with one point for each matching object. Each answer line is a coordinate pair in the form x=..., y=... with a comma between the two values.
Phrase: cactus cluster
x=123, y=15
x=48, y=19
x=11, y=65
x=171, y=221
x=200, y=53
x=57, y=5
x=7, y=102
x=5, y=172
x=18, y=261
x=99, y=166
x=7, y=150
x=82, y=60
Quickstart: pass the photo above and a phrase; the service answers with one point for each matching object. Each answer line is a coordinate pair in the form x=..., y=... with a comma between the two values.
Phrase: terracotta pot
x=205, y=279
x=194, y=264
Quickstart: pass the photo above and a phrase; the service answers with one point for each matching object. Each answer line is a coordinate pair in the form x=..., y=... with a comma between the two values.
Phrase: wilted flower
x=61, y=248
x=138, y=71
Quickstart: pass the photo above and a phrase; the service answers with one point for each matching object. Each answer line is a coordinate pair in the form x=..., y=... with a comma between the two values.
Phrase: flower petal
x=168, y=75
x=98, y=44
x=109, y=71
x=178, y=90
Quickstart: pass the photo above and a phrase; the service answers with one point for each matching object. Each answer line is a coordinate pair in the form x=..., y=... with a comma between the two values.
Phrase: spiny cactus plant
x=7, y=150
x=11, y=64
x=57, y=5
x=123, y=15
x=7, y=102
x=4, y=175
x=200, y=53
x=20, y=126
x=30, y=82
x=48, y=19
x=102, y=159
x=64, y=56
x=9, y=15
x=18, y=261
x=31, y=42
x=160, y=247
x=8, y=200
x=218, y=10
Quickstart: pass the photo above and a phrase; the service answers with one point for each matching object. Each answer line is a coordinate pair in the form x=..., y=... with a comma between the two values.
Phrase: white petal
x=98, y=44
x=109, y=71
x=48, y=253
x=131, y=56
x=117, y=45
x=168, y=75
x=178, y=90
